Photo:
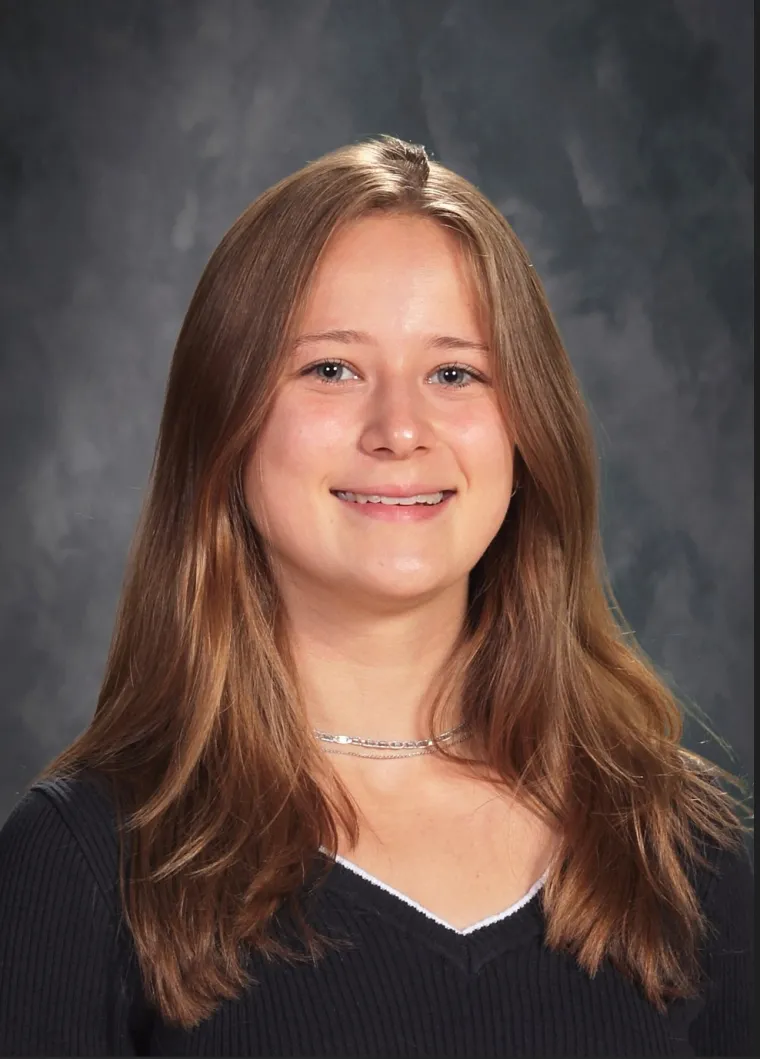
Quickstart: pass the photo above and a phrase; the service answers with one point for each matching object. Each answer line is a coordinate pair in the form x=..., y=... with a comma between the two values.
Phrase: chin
x=400, y=586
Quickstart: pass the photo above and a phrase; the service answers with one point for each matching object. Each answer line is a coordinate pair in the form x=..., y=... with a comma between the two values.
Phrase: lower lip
x=398, y=512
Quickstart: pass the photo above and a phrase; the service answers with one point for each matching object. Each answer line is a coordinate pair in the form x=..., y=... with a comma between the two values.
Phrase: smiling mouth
x=416, y=499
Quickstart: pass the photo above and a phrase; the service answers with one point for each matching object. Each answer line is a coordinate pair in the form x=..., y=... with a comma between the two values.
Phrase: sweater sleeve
x=57, y=942
x=726, y=1024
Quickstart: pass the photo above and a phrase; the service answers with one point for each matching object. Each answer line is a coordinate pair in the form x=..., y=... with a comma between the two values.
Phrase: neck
x=375, y=678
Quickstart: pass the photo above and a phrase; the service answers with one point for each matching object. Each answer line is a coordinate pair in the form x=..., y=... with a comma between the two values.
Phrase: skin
x=375, y=606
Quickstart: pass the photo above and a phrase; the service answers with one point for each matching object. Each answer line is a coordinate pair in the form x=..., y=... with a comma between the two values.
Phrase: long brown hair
x=199, y=726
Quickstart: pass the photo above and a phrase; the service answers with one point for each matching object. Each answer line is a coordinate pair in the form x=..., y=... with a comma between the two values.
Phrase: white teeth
x=421, y=498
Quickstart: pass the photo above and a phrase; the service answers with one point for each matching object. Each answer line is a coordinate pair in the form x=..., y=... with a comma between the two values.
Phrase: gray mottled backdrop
x=617, y=138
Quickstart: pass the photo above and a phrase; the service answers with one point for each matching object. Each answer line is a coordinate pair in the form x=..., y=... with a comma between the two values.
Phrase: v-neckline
x=470, y=948
x=464, y=931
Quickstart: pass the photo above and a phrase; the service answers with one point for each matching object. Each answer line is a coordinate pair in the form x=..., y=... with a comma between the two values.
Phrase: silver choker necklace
x=409, y=747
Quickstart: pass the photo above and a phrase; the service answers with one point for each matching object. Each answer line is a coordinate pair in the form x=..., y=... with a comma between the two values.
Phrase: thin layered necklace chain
x=408, y=747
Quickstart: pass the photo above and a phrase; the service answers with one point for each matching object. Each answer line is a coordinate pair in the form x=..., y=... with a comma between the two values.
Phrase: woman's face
x=393, y=296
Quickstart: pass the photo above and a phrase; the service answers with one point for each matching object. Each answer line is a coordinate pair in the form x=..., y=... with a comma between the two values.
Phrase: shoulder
x=62, y=829
x=725, y=887
x=66, y=986
x=728, y=872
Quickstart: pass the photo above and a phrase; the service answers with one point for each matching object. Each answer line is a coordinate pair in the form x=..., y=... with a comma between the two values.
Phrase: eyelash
x=343, y=364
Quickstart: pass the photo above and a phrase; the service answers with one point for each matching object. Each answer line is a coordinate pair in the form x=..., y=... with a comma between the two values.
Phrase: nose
x=397, y=420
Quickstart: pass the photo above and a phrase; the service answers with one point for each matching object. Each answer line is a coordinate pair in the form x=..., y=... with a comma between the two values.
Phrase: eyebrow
x=349, y=337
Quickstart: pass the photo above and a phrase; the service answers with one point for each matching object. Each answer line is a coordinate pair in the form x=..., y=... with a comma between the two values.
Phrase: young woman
x=376, y=768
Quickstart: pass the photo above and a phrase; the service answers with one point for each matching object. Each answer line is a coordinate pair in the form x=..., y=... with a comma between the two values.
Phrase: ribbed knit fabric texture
x=409, y=986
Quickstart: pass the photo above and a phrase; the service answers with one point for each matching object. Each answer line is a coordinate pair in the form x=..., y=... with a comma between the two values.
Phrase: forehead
x=393, y=268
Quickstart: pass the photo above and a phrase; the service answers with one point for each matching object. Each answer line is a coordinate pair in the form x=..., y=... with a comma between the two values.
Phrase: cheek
x=298, y=443
x=484, y=444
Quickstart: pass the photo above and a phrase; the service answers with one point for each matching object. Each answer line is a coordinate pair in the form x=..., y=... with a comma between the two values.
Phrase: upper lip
x=396, y=490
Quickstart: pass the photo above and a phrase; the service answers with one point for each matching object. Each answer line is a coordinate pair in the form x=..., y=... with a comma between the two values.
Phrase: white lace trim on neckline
x=431, y=915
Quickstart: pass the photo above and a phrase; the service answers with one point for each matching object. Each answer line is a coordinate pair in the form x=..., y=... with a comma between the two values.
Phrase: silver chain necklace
x=409, y=747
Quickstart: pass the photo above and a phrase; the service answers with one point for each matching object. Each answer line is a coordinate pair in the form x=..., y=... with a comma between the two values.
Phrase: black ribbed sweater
x=410, y=986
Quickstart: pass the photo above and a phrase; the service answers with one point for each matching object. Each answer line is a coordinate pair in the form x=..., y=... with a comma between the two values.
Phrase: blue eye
x=461, y=370
x=339, y=364
x=326, y=364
